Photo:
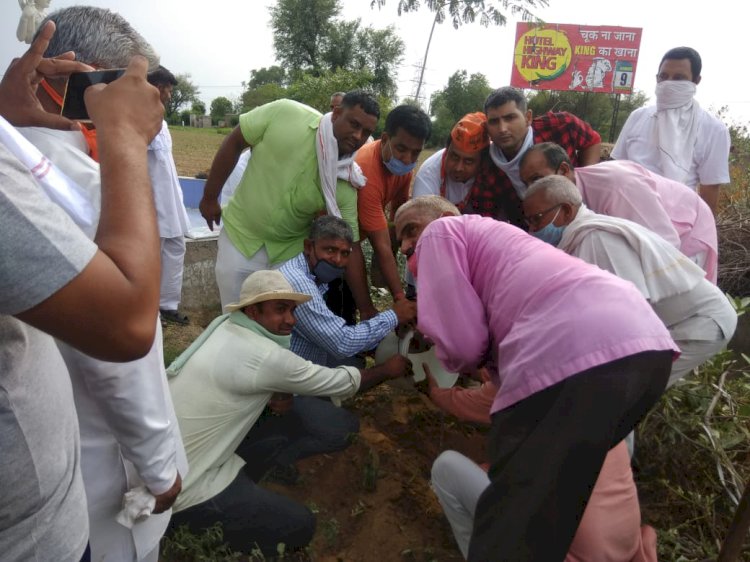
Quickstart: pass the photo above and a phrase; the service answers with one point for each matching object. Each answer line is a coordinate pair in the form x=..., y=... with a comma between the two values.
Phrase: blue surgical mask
x=397, y=167
x=551, y=233
x=325, y=272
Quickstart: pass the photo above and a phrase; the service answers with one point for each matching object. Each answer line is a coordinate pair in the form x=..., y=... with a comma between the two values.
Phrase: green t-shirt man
x=280, y=193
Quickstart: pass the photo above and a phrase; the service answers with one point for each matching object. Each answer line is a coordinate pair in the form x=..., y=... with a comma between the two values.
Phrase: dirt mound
x=373, y=501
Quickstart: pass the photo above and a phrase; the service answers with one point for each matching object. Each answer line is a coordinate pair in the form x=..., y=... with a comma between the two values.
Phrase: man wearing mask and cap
x=232, y=392
x=676, y=138
x=320, y=336
x=387, y=164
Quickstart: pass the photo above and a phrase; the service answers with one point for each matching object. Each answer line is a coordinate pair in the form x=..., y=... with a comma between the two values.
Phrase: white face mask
x=672, y=94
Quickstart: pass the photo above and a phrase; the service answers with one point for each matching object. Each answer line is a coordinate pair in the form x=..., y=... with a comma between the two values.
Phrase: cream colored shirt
x=222, y=390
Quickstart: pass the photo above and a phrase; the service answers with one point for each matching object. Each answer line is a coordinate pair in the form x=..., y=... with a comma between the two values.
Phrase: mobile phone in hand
x=73, y=106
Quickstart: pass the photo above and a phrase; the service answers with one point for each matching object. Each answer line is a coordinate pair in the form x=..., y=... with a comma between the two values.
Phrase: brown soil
x=373, y=500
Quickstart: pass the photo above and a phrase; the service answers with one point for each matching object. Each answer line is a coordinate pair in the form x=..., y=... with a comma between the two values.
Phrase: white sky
x=218, y=43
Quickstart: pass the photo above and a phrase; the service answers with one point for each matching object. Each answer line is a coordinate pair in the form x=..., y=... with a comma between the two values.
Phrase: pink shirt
x=490, y=292
x=624, y=189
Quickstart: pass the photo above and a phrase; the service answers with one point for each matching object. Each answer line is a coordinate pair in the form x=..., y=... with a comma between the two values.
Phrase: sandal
x=173, y=316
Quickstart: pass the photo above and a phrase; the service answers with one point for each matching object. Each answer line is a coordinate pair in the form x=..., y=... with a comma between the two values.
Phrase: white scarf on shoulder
x=666, y=273
x=677, y=116
x=59, y=188
x=512, y=168
x=331, y=167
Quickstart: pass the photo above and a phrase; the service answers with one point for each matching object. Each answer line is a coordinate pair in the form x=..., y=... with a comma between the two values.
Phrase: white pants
x=232, y=268
x=172, y=261
x=693, y=353
x=458, y=482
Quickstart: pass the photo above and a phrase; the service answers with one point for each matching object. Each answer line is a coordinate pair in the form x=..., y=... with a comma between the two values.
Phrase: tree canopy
x=220, y=107
x=184, y=93
x=468, y=11
x=310, y=39
x=300, y=30
x=463, y=94
x=594, y=108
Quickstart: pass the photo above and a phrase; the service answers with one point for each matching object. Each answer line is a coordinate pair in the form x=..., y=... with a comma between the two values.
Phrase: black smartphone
x=73, y=106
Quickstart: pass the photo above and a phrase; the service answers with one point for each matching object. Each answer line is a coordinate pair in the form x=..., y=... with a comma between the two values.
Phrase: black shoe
x=282, y=474
x=173, y=316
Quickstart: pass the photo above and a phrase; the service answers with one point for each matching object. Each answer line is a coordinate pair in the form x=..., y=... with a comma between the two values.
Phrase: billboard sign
x=579, y=58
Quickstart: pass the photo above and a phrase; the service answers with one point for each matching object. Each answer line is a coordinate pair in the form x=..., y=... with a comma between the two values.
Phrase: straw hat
x=265, y=286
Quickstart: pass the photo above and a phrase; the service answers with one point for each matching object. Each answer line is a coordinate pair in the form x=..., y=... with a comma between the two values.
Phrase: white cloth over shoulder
x=331, y=167
x=58, y=187
x=512, y=168
x=664, y=274
x=677, y=118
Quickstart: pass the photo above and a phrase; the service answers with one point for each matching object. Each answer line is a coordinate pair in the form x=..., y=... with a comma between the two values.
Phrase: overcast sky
x=218, y=43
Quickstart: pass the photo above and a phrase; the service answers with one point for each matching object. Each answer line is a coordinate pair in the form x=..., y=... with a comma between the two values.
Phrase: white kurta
x=429, y=179
x=695, y=311
x=710, y=166
x=129, y=432
x=170, y=209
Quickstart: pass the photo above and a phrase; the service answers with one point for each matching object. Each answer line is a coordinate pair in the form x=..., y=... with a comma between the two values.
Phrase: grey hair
x=558, y=190
x=330, y=227
x=98, y=37
x=432, y=206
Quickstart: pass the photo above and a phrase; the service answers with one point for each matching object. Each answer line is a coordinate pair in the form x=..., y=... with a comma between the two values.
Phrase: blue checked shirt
x=319, y=332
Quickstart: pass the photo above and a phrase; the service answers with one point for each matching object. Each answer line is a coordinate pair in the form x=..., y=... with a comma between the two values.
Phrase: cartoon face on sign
x=542, y=54
x=596, y=72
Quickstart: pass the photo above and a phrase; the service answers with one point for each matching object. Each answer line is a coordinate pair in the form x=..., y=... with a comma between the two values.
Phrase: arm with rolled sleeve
x=322, y=327
x=451, y=313
x=467, y=404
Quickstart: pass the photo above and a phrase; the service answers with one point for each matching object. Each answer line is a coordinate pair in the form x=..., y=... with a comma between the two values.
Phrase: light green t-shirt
x=280, y=194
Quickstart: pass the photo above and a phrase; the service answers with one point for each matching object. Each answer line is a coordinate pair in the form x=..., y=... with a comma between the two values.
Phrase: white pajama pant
x=172, y=261
x=458, y=482
x=232, y=268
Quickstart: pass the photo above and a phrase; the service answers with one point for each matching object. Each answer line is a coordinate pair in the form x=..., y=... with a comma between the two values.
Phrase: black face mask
x=325, y=272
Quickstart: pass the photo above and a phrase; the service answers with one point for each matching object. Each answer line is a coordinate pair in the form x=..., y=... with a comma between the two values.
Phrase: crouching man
x=695, y=311
x=221, y=386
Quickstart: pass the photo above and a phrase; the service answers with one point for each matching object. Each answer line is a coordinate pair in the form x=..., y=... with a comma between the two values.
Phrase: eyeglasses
x=536, y=218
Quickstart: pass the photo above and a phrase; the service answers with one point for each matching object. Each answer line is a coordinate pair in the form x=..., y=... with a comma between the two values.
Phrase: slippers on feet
x=173, y=316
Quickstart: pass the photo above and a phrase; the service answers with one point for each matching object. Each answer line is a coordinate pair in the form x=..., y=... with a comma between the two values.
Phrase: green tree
x=381, y=51
x=300, y=29
x=463, y=94
x=315, y=91
x=198, y=108
x=255, y=97
x=185, y=92
x=597, y=109
x=220, y=107
x=267, y=75
x=467, y=11
x=314, y=44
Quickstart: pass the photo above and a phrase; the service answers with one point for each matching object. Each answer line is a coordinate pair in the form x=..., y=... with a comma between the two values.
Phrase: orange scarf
x=88, y=134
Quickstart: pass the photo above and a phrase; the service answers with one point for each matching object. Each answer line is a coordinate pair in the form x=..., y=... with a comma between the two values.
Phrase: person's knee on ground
x=458, y=482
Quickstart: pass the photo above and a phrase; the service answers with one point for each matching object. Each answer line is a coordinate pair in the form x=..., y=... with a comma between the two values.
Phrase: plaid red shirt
x=493, y=194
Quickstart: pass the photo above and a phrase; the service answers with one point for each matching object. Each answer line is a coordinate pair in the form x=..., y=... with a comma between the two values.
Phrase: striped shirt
x=319, y=333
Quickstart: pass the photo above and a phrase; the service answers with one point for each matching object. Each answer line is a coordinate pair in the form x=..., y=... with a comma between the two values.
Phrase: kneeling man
x=221, y=386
